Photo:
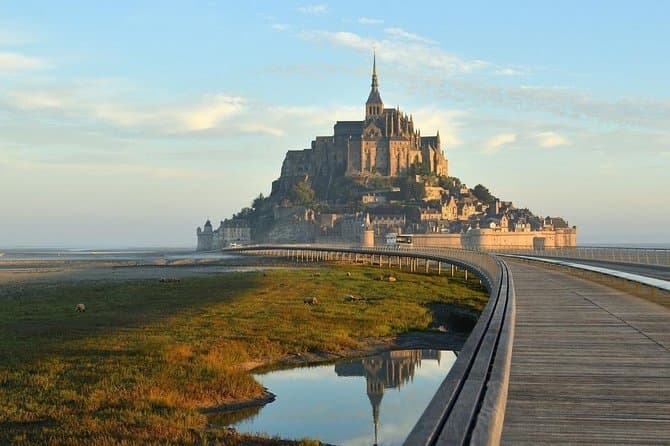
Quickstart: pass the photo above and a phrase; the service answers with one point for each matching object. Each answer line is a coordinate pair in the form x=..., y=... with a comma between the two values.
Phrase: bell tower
x=374, y=105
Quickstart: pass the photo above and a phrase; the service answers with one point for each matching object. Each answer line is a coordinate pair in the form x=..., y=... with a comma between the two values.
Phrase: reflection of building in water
x=385, y=371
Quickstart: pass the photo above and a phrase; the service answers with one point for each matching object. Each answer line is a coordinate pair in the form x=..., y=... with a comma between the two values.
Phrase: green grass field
x=145, y=356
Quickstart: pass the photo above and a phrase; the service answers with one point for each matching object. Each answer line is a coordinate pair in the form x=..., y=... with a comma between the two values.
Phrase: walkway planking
x=590, y=364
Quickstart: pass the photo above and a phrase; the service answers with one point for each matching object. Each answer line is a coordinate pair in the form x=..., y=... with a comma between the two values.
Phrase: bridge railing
x=469, y=406
x=644, y=256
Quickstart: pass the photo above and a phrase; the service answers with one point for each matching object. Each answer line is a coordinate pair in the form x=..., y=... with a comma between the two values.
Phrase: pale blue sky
x=129, y=123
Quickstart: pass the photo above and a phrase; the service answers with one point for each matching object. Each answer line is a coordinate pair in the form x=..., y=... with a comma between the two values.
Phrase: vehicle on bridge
x=394, y=240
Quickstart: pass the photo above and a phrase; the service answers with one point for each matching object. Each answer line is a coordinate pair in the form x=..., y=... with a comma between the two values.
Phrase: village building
x=450, y=209
x=434, y=193
x=430, y=214
x=232, y=231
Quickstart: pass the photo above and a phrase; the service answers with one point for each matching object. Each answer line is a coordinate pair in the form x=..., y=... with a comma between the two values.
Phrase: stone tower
x=368, y=240
x=374, y=105
x=205, y=237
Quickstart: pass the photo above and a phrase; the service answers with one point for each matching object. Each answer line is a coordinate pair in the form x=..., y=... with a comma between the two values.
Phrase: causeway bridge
x=556, y=357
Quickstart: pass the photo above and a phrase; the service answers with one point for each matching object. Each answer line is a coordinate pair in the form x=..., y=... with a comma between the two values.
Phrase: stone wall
x=491, y=239
x=437, y=240
x=291, y=232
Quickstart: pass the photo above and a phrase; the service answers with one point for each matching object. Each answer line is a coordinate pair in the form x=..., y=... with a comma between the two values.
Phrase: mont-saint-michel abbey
x=386, y=144
x=377, y=177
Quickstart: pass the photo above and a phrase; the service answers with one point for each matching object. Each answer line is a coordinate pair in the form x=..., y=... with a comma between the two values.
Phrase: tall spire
x=375, y=83
x=374, y=105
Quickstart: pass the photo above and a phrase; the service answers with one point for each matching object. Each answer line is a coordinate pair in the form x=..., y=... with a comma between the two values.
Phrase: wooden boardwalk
x=590, y=364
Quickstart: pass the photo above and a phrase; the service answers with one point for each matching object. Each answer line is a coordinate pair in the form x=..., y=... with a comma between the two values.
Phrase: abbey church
x=378, y=177
x=385, y=144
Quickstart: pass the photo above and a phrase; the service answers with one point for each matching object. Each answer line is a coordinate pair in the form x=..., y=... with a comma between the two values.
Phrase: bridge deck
x=590, y=364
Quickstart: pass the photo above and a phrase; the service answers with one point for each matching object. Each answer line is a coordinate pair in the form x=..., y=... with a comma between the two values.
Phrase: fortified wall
x=491, y=239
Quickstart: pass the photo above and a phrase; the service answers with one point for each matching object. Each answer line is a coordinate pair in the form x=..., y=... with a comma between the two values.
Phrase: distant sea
x=625, y=245
x=51, y=254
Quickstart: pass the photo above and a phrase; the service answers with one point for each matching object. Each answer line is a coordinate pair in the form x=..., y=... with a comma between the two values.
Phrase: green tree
x=450, y=183
x=246, y=212
x=258, y=202
x=410, y=189
x=302, y=194
x=481, y=192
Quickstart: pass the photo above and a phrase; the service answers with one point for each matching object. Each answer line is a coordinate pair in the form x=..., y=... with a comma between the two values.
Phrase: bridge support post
x=439, y=268
x=466, y=275
x=427, y=265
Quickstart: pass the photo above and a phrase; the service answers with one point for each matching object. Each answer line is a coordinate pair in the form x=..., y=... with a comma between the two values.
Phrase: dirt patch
x=260, y=401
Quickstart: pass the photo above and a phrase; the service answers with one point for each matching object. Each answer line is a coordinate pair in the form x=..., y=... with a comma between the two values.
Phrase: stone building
x=234, y=230
x=205, y=237
x=385, y=143
x=450, y=209
x=430, y=214
x=387, y=223
x=434, y=193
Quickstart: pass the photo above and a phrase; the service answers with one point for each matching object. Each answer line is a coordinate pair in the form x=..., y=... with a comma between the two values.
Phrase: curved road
x=590, y=364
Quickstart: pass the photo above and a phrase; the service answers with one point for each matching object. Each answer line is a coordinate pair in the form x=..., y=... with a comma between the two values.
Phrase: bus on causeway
x=398, y=240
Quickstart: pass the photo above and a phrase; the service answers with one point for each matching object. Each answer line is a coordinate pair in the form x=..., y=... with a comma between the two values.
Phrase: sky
x=129, y=123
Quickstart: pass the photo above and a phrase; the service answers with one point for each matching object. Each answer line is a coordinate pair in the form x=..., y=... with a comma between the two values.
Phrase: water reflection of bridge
x=387, y=370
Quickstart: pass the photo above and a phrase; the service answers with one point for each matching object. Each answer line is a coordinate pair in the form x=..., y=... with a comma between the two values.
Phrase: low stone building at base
x=230, y=231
